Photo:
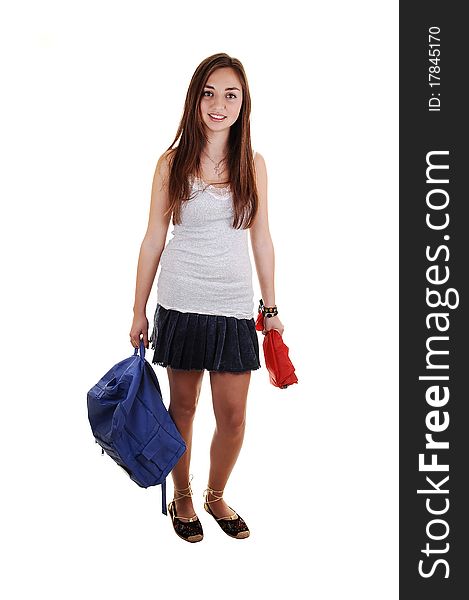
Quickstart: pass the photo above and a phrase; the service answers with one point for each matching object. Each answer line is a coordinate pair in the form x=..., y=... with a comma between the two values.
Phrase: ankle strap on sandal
x=185, y=492
x=213, y=492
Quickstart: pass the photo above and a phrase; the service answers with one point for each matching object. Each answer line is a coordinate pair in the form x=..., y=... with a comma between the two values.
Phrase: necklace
x=216, y=168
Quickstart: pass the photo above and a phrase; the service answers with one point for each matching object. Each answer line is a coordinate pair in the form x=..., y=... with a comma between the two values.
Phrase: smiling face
x=222, y=96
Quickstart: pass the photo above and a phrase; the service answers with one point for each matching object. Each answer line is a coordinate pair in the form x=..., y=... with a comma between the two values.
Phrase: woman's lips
x=218, y=119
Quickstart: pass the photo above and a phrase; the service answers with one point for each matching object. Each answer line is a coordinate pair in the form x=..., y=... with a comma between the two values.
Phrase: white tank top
x=205, y=266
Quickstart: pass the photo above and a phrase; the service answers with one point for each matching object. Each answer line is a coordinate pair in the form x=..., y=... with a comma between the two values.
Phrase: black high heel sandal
x=233, y=525
x=189, y=529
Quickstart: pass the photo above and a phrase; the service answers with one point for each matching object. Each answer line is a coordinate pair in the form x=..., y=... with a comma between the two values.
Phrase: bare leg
x=185, y=389
x=229, y=397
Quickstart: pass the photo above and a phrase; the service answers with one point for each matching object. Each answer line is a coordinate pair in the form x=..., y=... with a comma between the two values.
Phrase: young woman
x=215, y=190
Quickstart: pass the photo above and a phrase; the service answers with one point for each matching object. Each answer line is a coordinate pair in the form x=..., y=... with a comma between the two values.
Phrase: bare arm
x=261, y=242
x=150, y=250
x=262, y=245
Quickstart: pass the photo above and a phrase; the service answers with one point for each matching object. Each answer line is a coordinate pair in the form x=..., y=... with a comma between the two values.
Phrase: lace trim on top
x=222, y=192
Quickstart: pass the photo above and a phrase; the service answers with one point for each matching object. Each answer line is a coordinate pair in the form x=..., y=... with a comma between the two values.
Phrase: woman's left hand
x=273, y=323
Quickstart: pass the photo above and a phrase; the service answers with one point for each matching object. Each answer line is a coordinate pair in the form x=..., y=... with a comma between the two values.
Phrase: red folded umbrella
x=278, y=364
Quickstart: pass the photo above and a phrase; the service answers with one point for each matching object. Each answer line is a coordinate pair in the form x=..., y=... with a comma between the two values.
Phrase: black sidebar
x=434, y=251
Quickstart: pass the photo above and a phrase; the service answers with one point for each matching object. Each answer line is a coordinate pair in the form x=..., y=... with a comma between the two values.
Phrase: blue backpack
x=130, y=422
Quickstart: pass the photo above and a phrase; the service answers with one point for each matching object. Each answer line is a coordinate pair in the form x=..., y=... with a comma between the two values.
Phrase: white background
x=92, y=95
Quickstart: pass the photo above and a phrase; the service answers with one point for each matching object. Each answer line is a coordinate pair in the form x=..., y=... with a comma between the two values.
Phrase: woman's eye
x=208, y=92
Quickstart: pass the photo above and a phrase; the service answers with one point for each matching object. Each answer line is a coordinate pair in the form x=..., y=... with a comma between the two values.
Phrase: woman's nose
x=219, y=103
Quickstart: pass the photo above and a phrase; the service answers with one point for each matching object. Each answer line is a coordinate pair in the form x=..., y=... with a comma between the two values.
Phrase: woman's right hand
x=139, y=327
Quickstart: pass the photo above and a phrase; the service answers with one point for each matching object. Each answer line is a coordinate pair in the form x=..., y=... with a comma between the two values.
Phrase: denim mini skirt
x=196, y=341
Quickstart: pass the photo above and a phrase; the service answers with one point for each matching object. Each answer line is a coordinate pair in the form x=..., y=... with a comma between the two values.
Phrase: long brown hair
x=184, y=160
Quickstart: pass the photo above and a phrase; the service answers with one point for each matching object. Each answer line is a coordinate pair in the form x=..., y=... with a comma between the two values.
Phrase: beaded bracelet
x=267, y=311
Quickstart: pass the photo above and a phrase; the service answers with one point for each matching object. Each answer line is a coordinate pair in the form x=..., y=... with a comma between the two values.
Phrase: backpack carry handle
x=142, y=349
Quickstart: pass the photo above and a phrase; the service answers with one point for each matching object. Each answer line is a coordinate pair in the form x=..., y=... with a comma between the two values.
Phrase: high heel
x=190, y=529
x=233, y=525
